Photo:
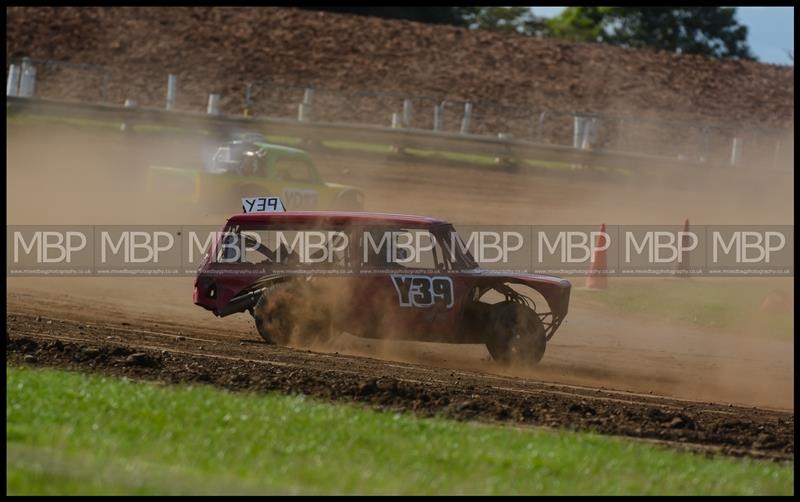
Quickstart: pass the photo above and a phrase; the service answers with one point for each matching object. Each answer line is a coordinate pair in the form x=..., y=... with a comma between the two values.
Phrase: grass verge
x=71, y=433
x=729, y=303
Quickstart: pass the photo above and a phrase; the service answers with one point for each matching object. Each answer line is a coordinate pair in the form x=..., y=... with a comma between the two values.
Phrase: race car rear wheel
x=517, y=335
x=288, y=315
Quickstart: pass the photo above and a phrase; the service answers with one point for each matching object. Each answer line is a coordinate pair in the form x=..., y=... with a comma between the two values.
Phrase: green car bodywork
x=258, y=169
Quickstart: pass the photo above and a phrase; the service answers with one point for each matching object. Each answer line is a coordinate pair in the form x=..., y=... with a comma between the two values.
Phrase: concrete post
x=27, y=83
x=172, y=84
x=213, y=104
x=12, y=86
x=407, y=110
x=465, y=122
x=736, y=152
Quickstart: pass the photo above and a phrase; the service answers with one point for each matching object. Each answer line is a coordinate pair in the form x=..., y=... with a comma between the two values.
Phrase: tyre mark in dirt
x=424, y=390
x=585, y=392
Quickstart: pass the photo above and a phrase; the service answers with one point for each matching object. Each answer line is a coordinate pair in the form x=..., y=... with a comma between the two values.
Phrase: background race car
x=248, y=168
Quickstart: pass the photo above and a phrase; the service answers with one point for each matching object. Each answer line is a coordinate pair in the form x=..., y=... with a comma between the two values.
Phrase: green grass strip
x=70, y=433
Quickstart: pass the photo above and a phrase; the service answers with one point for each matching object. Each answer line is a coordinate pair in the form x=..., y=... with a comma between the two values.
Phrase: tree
x=710, y=31
x=433, y=15
x=507, y=19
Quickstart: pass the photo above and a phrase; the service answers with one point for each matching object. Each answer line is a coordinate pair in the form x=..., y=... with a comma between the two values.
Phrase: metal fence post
x=247, y=100
x=736, y=151
x=104, y=91
x=12, y=86
x=589, y=132
x=172, y=83
x=397, y=123
x=467, y=117
x=27, y=82
x=302, y=112
x=706, y=146
x=304, y=108
x=540, y=125
x=577, y=136
x=437, y=116
x=213, y=104
x=129, y=103
x=407, y=109
x=508, y=161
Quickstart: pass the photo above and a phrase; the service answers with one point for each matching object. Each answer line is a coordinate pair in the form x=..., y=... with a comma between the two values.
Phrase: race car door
x=408, y=293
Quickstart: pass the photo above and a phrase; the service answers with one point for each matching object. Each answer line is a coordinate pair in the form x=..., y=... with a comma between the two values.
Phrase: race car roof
x=334, y=217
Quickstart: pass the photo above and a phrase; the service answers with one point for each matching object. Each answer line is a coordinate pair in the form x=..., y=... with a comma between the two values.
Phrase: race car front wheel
x=288, y=315
x=517, y=335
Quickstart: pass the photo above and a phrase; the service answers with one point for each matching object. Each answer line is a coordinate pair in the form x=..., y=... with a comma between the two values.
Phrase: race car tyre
x=517, y=335
x=288, y=314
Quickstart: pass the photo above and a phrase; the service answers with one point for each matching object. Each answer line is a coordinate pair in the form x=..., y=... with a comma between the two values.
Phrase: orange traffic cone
x=682, y=267
x=597, y=273
x=777, y=301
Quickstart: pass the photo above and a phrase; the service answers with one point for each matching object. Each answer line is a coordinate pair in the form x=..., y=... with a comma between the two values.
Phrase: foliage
x=709, y=31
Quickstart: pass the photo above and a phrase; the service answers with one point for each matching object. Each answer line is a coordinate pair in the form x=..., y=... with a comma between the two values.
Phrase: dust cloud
x=64, y=175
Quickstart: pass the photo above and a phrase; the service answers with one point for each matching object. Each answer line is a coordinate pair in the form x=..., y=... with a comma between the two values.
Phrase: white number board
x=262, y=205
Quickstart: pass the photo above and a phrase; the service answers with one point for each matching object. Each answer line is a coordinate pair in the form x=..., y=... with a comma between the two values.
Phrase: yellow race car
x=241, y=169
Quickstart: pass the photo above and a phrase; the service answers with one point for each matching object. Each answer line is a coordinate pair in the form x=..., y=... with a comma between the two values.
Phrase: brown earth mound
x=222, y=49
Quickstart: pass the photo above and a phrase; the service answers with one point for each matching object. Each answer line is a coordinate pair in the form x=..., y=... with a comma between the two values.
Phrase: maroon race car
x=307, y=275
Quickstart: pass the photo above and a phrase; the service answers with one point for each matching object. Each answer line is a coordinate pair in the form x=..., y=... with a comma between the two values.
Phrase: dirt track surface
x=611, y=373
x=171, y=353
